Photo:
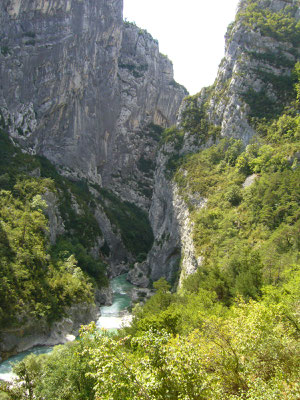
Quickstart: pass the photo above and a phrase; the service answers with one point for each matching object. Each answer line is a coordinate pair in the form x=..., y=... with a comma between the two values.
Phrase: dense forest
x=39, y=279
x=231, y=331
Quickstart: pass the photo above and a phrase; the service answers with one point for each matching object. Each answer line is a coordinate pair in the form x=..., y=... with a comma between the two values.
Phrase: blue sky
x=190, y=32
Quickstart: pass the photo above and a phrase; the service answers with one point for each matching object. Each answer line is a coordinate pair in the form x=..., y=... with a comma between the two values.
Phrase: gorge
x=102, y=126
x=107, y=167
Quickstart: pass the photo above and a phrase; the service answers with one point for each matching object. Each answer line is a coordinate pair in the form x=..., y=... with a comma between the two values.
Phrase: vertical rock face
x=254, y=55
x=58, y=77
x=172, y=255
x=80, y=87
x=257, y=60
x=93, y=94
x=164, y=257
x=150, y=98
x=89, y=92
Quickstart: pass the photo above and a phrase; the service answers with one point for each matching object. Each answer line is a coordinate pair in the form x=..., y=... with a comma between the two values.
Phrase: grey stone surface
x=139, y=275
x=164, y=257
x=250, y=180
x=56, y=224
x=104, y=296
x=36, y=333
x=60, y=73
x=140, y=295
x=226, y=108
x=172, y=255
x=81, y=87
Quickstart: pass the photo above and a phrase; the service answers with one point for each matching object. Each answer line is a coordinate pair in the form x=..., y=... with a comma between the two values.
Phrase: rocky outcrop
x=255, y=61
x=104, y=296
x=56, y=224
x=90, y=93
x=59, y=66
x=172, y=255
x=164, y=257
x=150, y=99
x=117, y=250
x=189, y=261
x=140, y=274
x=40, y=333
x=141, y=295
x=84, y=90
x=250, y=180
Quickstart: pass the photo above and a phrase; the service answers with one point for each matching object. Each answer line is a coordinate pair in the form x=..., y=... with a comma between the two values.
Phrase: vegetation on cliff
x=39, y=280
x=232, y=331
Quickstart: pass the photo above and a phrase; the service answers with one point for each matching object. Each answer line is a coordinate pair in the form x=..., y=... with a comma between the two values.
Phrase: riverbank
x=108, y=317
x=39, y=333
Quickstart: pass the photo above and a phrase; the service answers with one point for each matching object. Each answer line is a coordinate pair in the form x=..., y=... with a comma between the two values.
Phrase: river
x=112, y=318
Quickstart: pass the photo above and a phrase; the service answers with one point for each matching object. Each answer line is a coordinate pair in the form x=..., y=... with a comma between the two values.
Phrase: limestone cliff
x=93, y=94
x=82, y=88
x=254, y=80
x=90, y=93
x=150, y=99
x=59, y=66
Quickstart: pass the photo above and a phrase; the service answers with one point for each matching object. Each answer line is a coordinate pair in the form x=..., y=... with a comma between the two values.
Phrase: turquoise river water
x=112, y=317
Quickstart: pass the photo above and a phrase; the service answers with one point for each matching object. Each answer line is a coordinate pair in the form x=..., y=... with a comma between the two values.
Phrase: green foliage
x=29, y=34
x=246, y=236
x=177, y=85
x=173, y=136
x=261, y=104
x=194, y=121
x=137, y=70
x=234, y=232
x=162, y=286
x=65, y=248
x=204, y=169
x=81, y=227
x=276, y=59
x=37, y=281
x=286, y=128
x=32, y=284
x=132, y=222
x=297, y=73
x=5, y=50
x=217, y=354
x=141, y=257
x=281, y=25
x=61, y=375
x=13, y=163
x=154, y=131
x=234, y=195
x=277, y=89
x=105, y=250
x=146, y=165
